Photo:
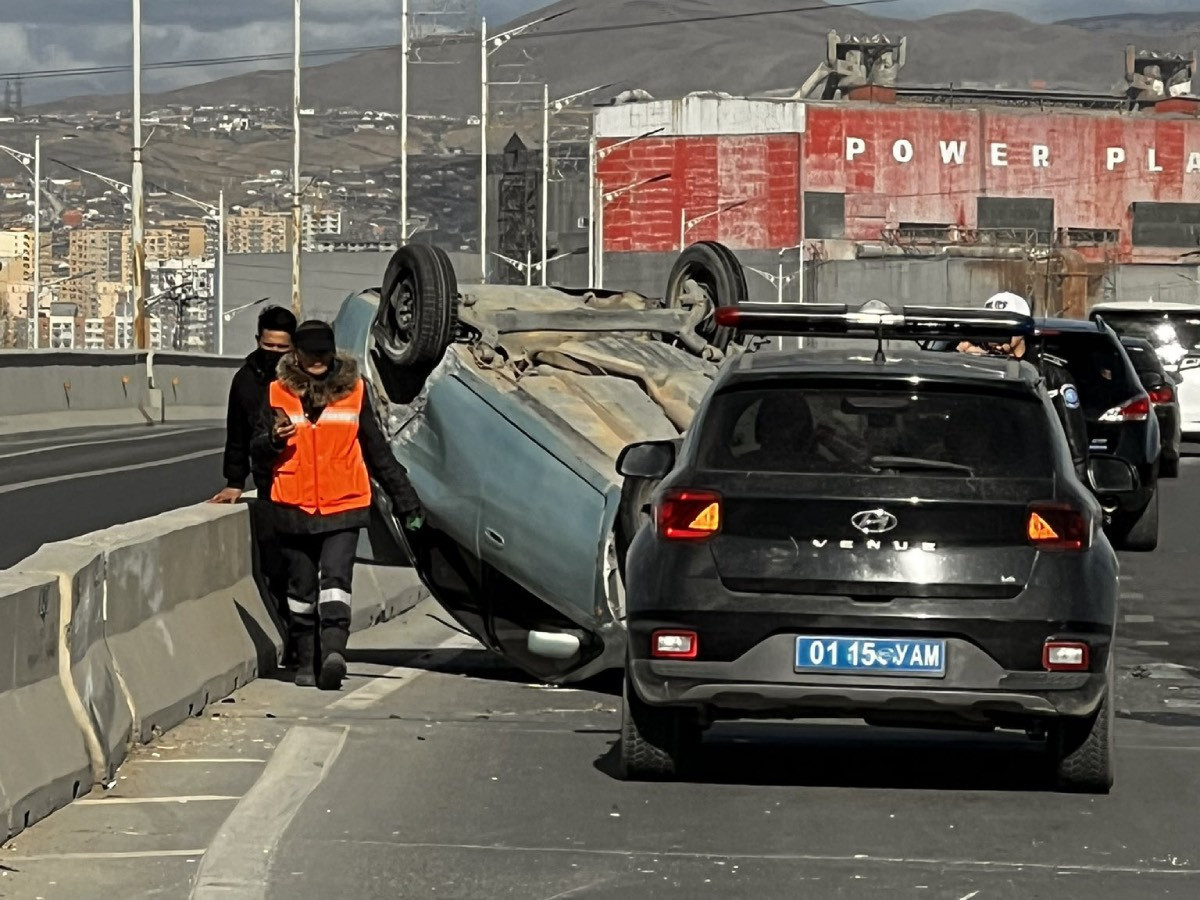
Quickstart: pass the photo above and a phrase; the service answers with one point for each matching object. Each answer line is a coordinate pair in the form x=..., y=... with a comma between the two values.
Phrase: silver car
x=509, y=405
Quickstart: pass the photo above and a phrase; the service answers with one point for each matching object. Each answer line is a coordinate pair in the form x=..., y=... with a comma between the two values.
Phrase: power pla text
x=1000, y=154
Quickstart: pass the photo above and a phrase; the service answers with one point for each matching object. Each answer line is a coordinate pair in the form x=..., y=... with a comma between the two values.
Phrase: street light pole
x=545, y=173
x=37, y=238
x=296, y=223
x=140, y=330
x=592, y=206
x=483, y=166
x=221, y=273
x=404, y=54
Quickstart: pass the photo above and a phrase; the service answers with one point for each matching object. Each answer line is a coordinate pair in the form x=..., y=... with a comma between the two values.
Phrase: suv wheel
x=655, y=741
x=1083, y=750
x=1142, y=529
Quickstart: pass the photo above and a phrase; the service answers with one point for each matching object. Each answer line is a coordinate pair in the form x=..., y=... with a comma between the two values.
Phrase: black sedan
x=1161, y=387
x=899, y=538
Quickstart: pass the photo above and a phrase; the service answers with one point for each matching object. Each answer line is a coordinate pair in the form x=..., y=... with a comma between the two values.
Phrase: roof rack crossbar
x=873, y=319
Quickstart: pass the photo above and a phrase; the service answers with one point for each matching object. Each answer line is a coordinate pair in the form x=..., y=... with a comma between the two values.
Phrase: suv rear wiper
x=912, y=462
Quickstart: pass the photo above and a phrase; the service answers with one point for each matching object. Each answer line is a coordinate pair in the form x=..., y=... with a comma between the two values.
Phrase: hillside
x=613, y=41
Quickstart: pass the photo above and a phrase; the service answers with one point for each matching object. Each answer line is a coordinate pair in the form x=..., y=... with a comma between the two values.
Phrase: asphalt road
x=438, y=772
x=58, y=485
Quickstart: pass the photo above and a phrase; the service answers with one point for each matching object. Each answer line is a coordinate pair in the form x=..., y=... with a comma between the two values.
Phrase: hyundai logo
x=873, y=521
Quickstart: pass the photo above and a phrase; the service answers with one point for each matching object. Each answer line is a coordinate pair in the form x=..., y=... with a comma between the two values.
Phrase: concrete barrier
x=63, y=389
x=179, y=597
x=120, y=635
x=87, y=669
x=44, y=761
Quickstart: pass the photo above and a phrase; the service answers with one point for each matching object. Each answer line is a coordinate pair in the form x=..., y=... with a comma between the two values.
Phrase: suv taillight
x=1057, y=526
x=1161, y=395
x=687, y=515
x=1135, y=410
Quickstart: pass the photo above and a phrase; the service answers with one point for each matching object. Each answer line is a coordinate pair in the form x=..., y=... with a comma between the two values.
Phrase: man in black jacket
x=247, y=394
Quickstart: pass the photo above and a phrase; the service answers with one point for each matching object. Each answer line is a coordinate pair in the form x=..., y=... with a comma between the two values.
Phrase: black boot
x=305, y=644
x=334, y=637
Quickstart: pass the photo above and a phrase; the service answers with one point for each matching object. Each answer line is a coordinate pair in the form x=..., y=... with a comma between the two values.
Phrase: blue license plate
x=878, y=656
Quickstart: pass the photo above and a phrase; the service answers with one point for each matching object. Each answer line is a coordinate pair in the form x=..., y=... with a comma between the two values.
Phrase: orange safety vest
x=322, y=471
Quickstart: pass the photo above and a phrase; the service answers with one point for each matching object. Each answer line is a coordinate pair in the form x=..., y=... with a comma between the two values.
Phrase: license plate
x=879, y=656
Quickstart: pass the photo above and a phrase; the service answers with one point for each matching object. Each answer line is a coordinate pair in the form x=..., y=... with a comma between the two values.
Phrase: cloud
x=43, y=35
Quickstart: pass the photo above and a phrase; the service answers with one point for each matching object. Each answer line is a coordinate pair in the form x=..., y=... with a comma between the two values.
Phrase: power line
x=441, y=41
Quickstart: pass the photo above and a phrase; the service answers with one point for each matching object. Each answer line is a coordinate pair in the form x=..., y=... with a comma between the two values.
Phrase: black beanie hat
x=314, y=338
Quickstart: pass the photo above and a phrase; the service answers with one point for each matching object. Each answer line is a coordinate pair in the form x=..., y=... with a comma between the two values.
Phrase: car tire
x=1141, y=533
x=716, y=269
x=1083, y=749
x=1168, y=468
x=416, y=317
x=656, y=742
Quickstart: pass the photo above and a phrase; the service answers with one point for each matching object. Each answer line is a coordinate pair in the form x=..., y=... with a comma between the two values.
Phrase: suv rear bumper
x=763, y=683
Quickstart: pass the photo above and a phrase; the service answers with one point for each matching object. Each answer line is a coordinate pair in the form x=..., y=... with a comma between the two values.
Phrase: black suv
x=899, y=538
x=1160, y=385
x=1123, y=431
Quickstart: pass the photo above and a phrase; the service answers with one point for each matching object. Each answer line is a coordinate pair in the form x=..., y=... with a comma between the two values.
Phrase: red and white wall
x=896, y=165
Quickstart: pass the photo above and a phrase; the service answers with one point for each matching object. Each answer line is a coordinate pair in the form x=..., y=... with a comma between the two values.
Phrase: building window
x=1016, y=220
x=824, y=215
x=1166, y=225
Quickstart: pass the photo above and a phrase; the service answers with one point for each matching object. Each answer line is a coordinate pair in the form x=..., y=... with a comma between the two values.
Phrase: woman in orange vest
x=321, y=442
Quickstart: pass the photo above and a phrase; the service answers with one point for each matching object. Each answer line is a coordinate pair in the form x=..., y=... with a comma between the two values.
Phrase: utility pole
x=483, y=165
x=296, y=223
x=141, y=332
x=545, y=174
x=221, y=272
x=37, y=238
x=404, y=53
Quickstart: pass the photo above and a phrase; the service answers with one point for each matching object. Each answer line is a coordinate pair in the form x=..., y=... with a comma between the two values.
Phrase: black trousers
x=320, y=570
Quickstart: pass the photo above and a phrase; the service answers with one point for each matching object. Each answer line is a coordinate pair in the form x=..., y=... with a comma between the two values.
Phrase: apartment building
x=94, y=255
x=256, y=231
x=175, y=239
x=318, y=223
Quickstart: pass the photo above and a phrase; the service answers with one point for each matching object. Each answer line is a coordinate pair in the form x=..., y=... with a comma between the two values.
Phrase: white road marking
x=394, y=679
x=73, y=476
x=1132, y=595
x=1152, y=643
x=237, y=863
x=927, y=862
x=96, y=443
x=196, y=798
x=231, y=759
x=1138, y=619
x=127, y=854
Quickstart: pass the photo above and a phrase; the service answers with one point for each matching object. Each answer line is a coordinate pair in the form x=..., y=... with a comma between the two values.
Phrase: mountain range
x=673, y=47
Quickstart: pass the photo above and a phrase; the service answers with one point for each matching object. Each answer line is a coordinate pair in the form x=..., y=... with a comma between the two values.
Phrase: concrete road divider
x=179, y=597
x=44, y=762
x=120, y=635
x=80, y=388
x=86, y=666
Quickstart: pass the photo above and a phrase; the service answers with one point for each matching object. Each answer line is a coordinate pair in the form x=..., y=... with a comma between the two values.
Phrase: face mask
x=268, y=359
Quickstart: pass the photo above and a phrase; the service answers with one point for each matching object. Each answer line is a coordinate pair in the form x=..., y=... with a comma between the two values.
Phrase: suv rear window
x=1173, y=331
x=847, y=430
x=1098, y=368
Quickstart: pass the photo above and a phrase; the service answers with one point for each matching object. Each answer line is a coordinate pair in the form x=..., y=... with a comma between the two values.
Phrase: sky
x=38, y=36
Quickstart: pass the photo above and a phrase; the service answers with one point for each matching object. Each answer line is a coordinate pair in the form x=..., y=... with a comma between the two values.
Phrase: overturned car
x=509, y=406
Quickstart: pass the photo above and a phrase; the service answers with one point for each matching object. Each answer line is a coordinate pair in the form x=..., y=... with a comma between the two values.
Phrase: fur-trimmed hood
x=320, y=392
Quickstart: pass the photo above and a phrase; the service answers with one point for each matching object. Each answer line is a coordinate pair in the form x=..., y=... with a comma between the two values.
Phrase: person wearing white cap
x=1059, y=382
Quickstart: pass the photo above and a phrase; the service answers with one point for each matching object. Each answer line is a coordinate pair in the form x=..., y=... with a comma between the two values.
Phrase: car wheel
x=655, y=741
x=1168, y=468
x=707, y=274
x=1141, y=533
x=1083, y=749
x=416, y=317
